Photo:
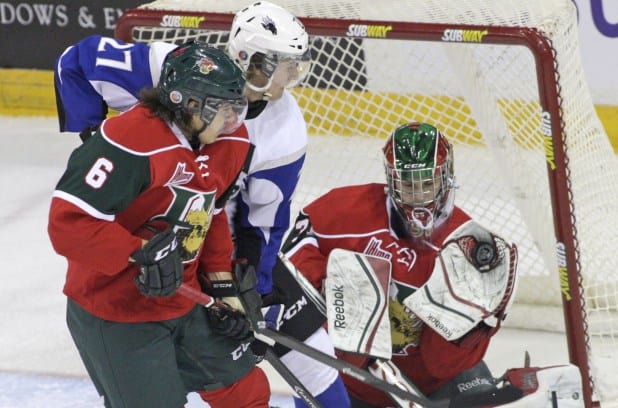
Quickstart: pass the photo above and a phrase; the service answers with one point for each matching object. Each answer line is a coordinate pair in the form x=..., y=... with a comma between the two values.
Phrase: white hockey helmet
x=267, y=37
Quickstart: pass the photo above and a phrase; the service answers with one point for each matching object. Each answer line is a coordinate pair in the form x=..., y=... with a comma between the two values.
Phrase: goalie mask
x=197, y=72
x=267, y=38
x=474, y=280
x=418, y=161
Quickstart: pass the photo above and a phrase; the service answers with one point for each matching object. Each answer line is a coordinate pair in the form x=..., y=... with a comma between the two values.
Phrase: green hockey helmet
x=418, y=160
x=206, y=75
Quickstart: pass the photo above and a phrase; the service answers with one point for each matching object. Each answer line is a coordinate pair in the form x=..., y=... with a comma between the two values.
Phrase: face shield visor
x=283, y=70
x=224, y=116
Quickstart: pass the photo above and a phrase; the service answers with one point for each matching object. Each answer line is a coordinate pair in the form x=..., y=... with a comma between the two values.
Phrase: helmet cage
x=420, y=185
x=419, y=194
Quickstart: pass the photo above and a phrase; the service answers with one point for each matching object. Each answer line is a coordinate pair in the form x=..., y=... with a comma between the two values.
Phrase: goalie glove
x=471, y=286
x=160, y=266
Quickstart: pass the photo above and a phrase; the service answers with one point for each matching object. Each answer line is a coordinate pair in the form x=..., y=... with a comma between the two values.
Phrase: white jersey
x=279, y=134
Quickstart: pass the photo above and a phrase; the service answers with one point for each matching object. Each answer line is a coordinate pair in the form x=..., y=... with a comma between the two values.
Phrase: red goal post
x=510, y=85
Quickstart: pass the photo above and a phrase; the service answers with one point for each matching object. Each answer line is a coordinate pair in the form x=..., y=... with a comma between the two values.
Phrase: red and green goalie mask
x=418, y=161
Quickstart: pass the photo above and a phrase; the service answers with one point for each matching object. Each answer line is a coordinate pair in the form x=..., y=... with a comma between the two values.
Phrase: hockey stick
x=270, y=356
x=290, y=378
x=311, y=292
x=269, y=336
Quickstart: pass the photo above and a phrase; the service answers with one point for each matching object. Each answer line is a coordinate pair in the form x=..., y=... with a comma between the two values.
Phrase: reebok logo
x=475, y=382
x=435, y=322
x=339, y=307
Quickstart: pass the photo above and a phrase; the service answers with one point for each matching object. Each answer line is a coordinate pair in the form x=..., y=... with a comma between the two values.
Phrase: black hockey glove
x=160, y=272
x=228, y=322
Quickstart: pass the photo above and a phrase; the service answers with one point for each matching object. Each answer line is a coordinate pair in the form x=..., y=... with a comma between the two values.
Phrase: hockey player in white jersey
x=272, y=47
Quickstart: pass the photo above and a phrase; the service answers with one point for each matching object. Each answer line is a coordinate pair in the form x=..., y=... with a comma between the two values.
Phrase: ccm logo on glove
x=160, y=272
x=164, y=252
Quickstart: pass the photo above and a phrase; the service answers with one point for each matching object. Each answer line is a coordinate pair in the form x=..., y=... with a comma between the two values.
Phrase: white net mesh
x=485, y=98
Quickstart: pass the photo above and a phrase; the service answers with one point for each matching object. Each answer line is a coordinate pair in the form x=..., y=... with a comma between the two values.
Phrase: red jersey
x=358, y=218
x=135, y=177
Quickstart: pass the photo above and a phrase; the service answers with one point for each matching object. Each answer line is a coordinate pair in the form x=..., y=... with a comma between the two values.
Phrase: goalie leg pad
x=356, y=289
x=549, y=387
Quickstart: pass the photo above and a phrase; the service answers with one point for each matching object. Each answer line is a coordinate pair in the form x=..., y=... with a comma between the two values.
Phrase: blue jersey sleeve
x=95, y=73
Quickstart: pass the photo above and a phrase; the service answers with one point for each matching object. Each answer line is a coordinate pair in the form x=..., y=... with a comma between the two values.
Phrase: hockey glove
x=228, y=322
x=273, y=306
x=223, y=287
x=229, y=287
x=160, y=271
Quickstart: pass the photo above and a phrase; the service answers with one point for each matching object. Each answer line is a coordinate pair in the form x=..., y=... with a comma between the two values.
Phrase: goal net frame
x=552, y=126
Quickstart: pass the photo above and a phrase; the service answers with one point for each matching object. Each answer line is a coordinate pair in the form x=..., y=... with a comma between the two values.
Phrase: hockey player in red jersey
x=135, y=216
x=451, y=279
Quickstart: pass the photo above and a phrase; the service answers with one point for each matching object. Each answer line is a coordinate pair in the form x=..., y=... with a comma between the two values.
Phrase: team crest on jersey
x=181, y=175
x=391, y=251
x=205, y=65
x=405, y=327
x=192, y=211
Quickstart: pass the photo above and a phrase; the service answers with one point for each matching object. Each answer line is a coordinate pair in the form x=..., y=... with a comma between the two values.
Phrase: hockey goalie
x=412, y=287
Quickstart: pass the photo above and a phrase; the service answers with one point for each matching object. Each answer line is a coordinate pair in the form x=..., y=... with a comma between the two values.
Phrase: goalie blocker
x=301, y=316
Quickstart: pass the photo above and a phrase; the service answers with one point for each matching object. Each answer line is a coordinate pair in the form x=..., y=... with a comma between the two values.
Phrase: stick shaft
x=206, y=300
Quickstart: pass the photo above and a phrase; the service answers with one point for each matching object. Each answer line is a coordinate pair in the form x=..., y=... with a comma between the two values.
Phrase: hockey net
x=503, y=80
